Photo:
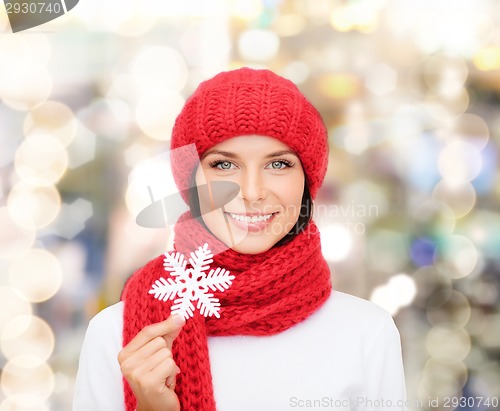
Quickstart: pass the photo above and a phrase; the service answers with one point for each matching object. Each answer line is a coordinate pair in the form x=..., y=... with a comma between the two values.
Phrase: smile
x=251, y=219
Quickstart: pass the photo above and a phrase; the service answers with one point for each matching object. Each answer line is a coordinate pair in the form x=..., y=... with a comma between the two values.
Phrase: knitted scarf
x=271, y=292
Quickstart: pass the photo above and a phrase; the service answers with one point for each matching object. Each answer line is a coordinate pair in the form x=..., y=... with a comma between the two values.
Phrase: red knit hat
x=243, y=102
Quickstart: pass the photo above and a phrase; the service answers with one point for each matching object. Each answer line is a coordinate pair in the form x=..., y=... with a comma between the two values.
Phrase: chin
x=250, y=248
x=239, y=240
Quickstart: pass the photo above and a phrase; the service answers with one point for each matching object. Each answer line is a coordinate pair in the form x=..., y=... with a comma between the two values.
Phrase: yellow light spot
x=339, y=86
x=246, y=9
x=488, y=58
x=341, y=19
x=287, y=25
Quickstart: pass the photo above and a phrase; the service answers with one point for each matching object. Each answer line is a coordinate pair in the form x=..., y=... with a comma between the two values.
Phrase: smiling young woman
x=271, y=181
x=284, y=338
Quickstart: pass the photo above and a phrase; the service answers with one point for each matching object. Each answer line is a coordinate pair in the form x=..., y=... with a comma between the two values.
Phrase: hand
x=147, y=364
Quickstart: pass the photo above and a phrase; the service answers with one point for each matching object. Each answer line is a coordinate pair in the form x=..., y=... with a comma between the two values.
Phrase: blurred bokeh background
x=409, y=212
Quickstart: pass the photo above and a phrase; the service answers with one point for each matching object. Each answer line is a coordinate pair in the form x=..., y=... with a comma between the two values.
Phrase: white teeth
x=248, y=219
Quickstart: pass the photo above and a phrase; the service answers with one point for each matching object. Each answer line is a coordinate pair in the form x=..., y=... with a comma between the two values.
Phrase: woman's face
x=271, y=181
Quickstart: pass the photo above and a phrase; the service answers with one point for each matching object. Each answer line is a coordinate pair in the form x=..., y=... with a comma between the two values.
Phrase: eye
x=221, y=165
x=281, y=164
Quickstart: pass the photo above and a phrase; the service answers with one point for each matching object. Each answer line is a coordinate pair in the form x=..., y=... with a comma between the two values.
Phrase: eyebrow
x=233, y=155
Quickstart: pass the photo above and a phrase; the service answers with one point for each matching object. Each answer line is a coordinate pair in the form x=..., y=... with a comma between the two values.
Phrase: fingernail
x=178, y=370
x=179, y=320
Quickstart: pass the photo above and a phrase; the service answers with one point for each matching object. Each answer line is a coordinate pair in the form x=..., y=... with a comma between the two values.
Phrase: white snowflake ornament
x=192, y=284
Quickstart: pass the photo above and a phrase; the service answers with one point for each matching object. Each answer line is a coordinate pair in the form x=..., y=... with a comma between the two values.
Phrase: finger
x=152, y=347
x=170, y=381
x=165, y=371
x=171, y=326
x=170, y=336
x=152, y=371
x=159, y=359
x=146, y=351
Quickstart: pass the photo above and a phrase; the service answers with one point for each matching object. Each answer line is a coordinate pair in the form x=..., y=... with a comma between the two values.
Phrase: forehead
x=251, y=142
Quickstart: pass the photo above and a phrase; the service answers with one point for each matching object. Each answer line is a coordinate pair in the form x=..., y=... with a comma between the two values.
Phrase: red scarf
x=271, y=292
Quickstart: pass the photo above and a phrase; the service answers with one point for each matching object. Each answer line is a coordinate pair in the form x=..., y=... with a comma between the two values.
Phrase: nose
x=252, y=187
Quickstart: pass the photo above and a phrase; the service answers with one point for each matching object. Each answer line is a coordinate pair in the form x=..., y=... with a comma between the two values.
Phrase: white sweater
x=345, y=356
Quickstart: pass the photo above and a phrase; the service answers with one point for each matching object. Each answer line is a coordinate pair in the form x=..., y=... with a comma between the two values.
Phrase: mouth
x=251, y=222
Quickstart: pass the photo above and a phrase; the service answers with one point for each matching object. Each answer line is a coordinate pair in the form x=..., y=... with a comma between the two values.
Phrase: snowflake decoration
x=192, y=284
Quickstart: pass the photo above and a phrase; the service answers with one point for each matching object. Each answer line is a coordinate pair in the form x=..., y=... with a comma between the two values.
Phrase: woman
x=282, y=338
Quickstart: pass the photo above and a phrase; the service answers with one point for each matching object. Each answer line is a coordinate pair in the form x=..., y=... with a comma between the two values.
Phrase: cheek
x=200, y=176
x=290, y=194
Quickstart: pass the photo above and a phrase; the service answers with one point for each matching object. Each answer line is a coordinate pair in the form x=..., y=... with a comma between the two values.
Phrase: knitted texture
x=272, y=291
x=246, y=102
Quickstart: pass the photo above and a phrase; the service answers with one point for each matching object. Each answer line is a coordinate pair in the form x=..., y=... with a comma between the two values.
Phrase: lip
x=251, y=227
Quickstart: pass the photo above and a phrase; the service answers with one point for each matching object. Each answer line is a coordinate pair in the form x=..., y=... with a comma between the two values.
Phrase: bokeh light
x=439, y=347
x=27, y=381
x=444, y=75
x=246, y=9
x=33, y=207
x=433, y=219
x=287, y=25
x=53, y=118
x=470, y=128
x=108, y=118
x=27, y=336
x=459, y=162
x=13, y=304
x=155, y=114
x=14, y=239
x=13, y=404
x=258, y=45
x=450, y=307
x=408, y=211
x=387, y=250
x=127, y=18
x=339, y=86
x=458, y=255
x=487, y=58
x=336, y=241
x=398, y=292
x=22, y=54
x=430, y=280
x=459, y=197
x=158, y=68
x=490, y=336
x=148, y=177
x=442, y=379
x=41, y=160
x=37, y=274
x=28, y=92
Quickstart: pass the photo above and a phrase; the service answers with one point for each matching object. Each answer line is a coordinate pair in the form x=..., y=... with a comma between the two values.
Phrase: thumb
x=176, y=322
